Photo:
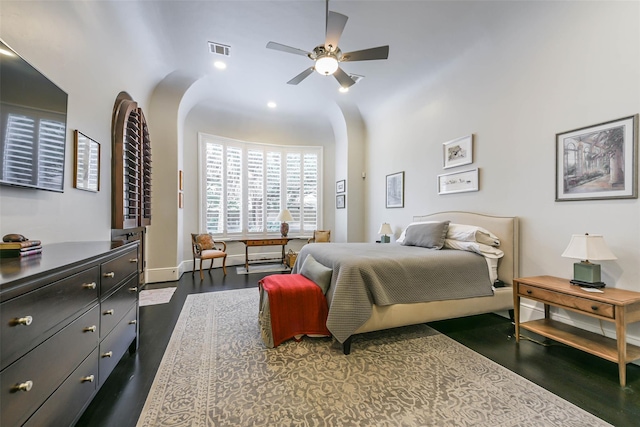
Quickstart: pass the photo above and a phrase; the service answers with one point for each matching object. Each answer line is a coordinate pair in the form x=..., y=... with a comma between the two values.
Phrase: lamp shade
x=284, y=216
x=588, y=247
x=385, y=229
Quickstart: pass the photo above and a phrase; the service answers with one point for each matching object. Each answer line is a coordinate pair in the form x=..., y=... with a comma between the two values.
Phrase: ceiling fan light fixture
x=326, y=65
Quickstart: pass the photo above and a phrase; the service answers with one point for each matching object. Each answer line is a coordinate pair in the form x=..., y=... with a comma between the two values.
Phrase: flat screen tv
x=33, y=126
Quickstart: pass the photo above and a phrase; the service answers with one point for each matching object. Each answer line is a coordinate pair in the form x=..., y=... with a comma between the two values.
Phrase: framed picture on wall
x=86, y=174
x=340, y=186
x=598, y=162
x=458, y=182
x=340, y=201
x=395, y=190
x=458, y=152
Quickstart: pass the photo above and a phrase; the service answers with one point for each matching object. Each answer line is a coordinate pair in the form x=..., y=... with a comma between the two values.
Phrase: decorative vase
x=284, y=229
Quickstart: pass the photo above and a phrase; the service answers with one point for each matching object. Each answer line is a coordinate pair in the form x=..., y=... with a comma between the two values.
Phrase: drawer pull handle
x=26, y=321
x=594, y=307
x=133, y=289
x=87, y=379
x=108, y=354
x=529, y=292
x=90, y=329
x=133, y=322
x=25, y=386
x=133, y=260
x=110, y=274
x=108, y=312
x=91, y=285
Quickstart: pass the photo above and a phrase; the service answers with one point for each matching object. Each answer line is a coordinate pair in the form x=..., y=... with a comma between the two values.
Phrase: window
x=244, y=186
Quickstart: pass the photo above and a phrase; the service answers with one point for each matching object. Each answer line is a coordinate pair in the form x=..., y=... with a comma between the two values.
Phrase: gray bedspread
x=382, y=274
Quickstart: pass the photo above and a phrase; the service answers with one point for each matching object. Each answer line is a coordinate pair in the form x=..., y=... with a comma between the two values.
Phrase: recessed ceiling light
x=343, y=89
x=271, y=104
x=220, y=65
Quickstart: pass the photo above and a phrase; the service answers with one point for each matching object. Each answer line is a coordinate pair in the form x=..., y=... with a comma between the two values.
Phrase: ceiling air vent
x=219, y=49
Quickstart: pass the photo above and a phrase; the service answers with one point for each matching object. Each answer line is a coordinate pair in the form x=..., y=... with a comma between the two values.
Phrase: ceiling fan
x=327, y=56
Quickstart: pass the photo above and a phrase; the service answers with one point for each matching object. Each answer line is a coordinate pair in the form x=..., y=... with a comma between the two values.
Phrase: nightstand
x=618, y=306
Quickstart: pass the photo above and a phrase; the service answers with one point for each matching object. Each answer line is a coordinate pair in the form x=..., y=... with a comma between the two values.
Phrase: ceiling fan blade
x=381, y=52
x=285, y=48
x=335, y=26
x=343, y=78
x=300, y=77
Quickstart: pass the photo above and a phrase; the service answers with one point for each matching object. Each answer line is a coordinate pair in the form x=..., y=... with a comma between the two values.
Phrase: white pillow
x=472, y=233
x=404, y=232
x=484, y=250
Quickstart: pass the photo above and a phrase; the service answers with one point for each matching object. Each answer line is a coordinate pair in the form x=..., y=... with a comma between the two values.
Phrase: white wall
x=54, y=38
x=561, y=66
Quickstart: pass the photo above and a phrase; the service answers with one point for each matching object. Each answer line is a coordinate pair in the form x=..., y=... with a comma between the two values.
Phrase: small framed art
x=86, y=175
x=458, y=152
x=340, y=201
x=395, y=190
x=340, y=186
x=458, y=182
x=598, y=162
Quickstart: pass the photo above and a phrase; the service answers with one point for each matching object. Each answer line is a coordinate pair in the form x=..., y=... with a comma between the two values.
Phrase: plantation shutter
x=214, y=188
x=246, y=185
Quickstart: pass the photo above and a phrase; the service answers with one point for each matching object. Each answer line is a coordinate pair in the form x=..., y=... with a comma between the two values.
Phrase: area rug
x=155, y=296
x=217, y=372
x=264, y=268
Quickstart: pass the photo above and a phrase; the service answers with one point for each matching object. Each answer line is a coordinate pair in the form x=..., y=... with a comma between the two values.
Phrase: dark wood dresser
x=68, y=316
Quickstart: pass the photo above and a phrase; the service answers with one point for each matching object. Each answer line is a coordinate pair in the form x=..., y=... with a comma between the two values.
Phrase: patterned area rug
x=217, y=372
x=156, y=296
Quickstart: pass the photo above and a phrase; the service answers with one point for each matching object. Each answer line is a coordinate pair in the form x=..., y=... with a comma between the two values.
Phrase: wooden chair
x=320, y=236
x=205, y=247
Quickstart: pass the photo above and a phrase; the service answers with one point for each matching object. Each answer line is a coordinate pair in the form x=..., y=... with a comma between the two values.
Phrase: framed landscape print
x=395, y=190
x=458, y=152
x=340, y=186
x=598, y=162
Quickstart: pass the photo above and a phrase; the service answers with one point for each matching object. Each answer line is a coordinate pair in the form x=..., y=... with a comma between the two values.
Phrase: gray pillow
x=317, y=273
x=430, y=235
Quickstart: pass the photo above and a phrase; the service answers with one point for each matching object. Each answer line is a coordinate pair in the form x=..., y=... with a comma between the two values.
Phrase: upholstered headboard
x=506, y=228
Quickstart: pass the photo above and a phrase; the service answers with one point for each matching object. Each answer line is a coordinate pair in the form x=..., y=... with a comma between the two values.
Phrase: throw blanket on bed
x=383, y=274
x=290, y=305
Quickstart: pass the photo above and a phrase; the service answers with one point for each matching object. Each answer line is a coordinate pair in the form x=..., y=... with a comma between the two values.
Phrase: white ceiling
x=425, y=37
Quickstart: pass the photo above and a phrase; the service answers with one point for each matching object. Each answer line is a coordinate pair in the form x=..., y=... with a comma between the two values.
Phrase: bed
x=359, y=303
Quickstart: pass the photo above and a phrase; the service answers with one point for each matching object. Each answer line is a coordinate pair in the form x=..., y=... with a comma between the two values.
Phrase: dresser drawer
x=116, y=343
x=568, y=301
x=115, y=306
x=43, y=369
x=33, y=317
x=67, y=403
x=115, y=271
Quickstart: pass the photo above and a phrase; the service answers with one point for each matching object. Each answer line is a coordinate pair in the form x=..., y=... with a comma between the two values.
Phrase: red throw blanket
x=297, y=306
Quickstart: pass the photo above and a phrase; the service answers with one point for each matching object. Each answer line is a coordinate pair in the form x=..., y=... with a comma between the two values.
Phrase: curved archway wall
x=178, y=113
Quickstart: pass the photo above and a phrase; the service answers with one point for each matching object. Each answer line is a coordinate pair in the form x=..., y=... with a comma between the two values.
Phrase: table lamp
x=385, y=230
x=587, y=247
x=283, y=217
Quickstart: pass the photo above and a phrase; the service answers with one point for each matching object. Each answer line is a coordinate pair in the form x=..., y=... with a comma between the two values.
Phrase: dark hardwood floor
x=586, y=381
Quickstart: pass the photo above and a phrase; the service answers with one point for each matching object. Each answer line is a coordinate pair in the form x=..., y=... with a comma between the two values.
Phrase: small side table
x=618, y=306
